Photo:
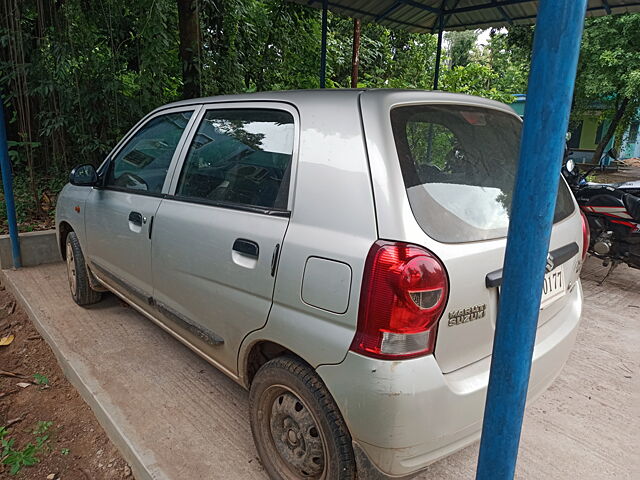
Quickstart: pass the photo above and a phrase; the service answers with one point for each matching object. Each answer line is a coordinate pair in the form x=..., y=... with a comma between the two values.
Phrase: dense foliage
x=75, y=75
x=609, y=73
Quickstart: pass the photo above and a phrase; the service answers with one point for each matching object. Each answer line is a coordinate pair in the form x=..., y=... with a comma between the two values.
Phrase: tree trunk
x=355, y=59
x=189, y=34
x=622, y=108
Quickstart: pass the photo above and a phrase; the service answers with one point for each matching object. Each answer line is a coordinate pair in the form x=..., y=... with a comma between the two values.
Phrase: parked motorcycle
x=613, y=213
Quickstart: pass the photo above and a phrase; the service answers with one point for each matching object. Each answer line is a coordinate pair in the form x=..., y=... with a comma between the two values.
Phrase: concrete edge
x=36, y=248
x=140, y=470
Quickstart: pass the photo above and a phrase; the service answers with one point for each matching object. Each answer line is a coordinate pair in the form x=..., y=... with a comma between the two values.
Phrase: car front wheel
x=77, y=273
x=297, y=427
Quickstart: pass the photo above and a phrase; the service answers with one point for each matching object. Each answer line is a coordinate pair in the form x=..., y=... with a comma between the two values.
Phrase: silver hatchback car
x=336, y=252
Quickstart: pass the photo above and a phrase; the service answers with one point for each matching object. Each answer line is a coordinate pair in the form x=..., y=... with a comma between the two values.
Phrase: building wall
x=589, y=136
x=590, y=132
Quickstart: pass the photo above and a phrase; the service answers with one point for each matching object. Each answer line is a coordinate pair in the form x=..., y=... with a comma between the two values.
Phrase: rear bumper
x=407, y=414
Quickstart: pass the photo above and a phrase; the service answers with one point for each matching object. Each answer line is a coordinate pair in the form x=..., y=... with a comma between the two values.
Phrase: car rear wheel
x=296, y=425
x=77, y=273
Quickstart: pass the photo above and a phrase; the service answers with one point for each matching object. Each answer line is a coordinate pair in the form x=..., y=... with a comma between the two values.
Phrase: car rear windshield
x=459, y=165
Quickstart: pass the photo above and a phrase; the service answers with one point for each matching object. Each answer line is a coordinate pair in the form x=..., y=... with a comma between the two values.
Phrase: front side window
x=142, y=164
x=459, y=165
x=240, y=157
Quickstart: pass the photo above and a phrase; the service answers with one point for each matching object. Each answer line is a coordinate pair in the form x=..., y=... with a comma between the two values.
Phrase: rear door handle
x=246, y=247
x=136, y=218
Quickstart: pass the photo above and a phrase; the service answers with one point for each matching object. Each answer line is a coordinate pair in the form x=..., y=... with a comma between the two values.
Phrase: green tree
x=509, y=53
x=461, y=47
x=75, y=75
x=475, y=79
x=388, y=58
x=190, y=46
x=609, y=73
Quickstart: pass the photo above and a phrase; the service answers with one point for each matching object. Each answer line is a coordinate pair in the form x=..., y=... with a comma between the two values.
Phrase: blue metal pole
x=553, y=69
x=323, y=45
x=7, y=183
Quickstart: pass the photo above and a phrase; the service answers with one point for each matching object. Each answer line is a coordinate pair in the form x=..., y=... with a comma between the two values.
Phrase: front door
x=119, y=214
x=217, y=238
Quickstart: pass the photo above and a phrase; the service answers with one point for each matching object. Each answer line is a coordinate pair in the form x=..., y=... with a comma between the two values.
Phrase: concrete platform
x=36, y=248
x=175, y=417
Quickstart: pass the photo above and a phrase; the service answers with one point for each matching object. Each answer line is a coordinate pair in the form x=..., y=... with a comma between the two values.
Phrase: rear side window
x=142, y=164
x=240, y=157
x=459, y=165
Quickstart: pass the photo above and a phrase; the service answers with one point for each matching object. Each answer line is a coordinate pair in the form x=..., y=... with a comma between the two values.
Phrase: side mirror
x=84, y=176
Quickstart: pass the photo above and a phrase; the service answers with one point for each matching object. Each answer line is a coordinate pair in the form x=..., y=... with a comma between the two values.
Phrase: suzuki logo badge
x=550, y=263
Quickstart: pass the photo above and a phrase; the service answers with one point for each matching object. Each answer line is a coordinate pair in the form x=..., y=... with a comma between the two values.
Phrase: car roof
x=341, y=95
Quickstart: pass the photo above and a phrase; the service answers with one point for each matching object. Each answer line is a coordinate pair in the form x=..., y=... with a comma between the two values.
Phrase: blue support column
x=555, y=55
x=323, y=45
x=7, y=184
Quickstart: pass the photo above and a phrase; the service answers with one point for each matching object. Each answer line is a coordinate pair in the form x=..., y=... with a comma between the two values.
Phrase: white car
x=337, y=252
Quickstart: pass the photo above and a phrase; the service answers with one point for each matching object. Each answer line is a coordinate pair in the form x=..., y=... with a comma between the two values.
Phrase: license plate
x=553, y=288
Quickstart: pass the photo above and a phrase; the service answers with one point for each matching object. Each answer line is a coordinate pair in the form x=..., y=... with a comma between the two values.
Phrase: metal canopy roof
x=425, y=15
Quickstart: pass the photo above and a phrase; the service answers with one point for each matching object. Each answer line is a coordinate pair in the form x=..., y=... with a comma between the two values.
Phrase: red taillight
x=404, y=291
x=586, y=235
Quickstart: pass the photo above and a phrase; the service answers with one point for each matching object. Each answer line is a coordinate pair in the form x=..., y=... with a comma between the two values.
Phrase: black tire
x=297, y=428
x=77, y=273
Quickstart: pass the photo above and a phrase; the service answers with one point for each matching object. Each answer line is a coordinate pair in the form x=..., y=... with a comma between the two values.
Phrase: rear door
x=217, y=237
x=117, y=215
x=457, y=169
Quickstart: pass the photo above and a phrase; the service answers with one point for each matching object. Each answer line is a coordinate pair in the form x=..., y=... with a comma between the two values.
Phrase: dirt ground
x=628, y=172
x=77, y=448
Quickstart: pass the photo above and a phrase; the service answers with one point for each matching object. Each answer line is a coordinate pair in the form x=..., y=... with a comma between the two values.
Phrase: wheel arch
x=260, y=352
x=64, y=229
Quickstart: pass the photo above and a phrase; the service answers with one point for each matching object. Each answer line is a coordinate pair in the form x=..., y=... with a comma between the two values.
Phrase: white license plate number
x=553, y=288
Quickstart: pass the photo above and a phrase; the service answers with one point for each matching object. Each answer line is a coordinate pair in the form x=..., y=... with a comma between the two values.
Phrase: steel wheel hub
x=71, y=269
x=296, y=436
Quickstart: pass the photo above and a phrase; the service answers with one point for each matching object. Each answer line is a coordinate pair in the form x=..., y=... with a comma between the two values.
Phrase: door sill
x=172, y=332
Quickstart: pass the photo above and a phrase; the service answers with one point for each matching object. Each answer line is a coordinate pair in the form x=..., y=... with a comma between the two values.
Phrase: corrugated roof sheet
x=423, y=15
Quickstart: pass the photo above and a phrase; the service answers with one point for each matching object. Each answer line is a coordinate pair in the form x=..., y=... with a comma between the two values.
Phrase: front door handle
x=136, y=218
x=246, y=247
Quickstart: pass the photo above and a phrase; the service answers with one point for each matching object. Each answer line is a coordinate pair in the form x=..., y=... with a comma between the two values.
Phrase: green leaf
x=41, y=379
x=42, y=427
